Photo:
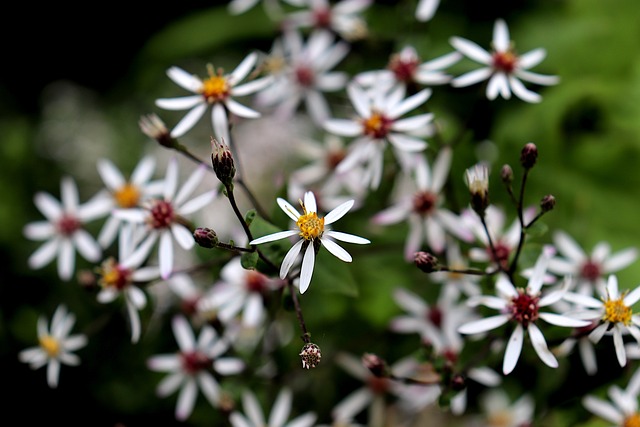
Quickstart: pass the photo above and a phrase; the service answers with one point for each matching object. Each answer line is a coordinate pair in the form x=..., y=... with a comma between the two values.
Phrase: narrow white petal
x=48, y=205
x=66, y=259
x=522, y=92
x=307, y=268
x=182, y=103
x=472, y=77
x=241, y=110
x=87, y=245
x=483, y=325
x=336, y=250
x=184, y=79
x=210, y=389
x=310, y=202
x=560, y=320
x=540, y=346
x=349, y=238
x=290, y=258
x=620, y=260
x=619, y=345
x=512, y=352
x=471, y=49
x=44, y=254
x=134, y=320
x=603, y=409
x=281, y=408
x=243, y=69
x=186, y=399
x=568, y=247
x=190, y=184
x=111, y=176
x=165, y=254
x=410, y=103
x=183, y=236
x=338, y=212
x=501, y=39
x=288, y=209
x=39, y=230
x=532, y=58
x=189, y=120
x=198, y=202
x=272, y=237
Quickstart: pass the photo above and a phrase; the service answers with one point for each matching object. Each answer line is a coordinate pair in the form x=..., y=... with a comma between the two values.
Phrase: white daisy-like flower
x=312, y=232
x=503, y=67
x=521, y=306
x=379, y=122
x=622, y=408
x=237, y=7
x=588, y=270
x=165, y=217
x=406, y=67
x=343, y=17
x=426, y=9
x=219, y=91
x=498, y=410
x=615, y=313
x=306, y=75
x=192, y=367
x=126, y=193
x=279, y=417
x=418, y=199
x=239, y=291
x=123, y=276
x=56, y=346
x=63, y=228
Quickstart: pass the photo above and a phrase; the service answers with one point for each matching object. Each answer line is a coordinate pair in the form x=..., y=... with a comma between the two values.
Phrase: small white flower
x=614, y=310
x=217, y=91
x=55, y=345
x=254, y=416
x=312, y=232
x=622, y=409
x=522, y=307
x=499, y=411
x=379, y=122
x=193, y=366
x=64, y=230
x=418, y=200
x=164, y=217
x=504, y=69
x=343, y=17
x=122, y=277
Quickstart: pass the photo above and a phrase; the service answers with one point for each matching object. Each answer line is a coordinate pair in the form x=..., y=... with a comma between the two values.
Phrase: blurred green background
x=75, y=83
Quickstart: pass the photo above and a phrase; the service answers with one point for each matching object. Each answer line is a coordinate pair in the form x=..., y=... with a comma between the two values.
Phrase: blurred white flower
x=279, y=416
x=622, y=408
x=343, y=17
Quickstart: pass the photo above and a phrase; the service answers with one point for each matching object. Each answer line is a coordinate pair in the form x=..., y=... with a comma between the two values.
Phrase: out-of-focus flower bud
x=426, y=262
x=222, y=162
x=477, y=179
x=506, y=173
x=529, y=155
x=152, y=126
x=205, y=237
x=547, y=203
x=375, y=364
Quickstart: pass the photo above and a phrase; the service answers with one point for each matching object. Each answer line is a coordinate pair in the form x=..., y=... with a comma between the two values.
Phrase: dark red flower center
x=195, y=361
x=67, y=225
x=378, y=385
x=256, y=282
x=377, y=125
x=435, y=316
x=524, y=308
x=162, y=214
x=322, y=17
x=505, y=61
x=305, y=76
x=501, y=254
x=424, y=202
x=591, y=270
x=404, y=70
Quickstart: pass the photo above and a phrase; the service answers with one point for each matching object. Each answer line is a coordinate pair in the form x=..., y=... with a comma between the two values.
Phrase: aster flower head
x=217, y=91
x=379, y=122
x=280, y=412
x=313, y=234
x=192, y=368
x=503, y=67
x=614, y=312
x=63, y=229
x=343, y=17
x=165, y=217
x=621, y=409
x=56, y=345
x=521, y=307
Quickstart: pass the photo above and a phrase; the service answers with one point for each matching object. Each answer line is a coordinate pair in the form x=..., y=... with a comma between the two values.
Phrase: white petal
x=182, y=103
x=522, y=92
x=338, y=212
x=603, y=409
x=307, y=268
x=471, y=49
x=165, y=254
x=483, y=325
x=512, y=352
x=336, y=250
x=531, y=58
x=189, y=120
x=87, y=246
x=560, y=320
x=186, y=399
x=272, y=237
x=472, y=77
x=349, y=238
x=540, y=346
x=310, y=202
x=281, y=408
x=241, y=110
x=290, y=258
x=134, y=320
x=243, y=69
x=288, y=209
x=184, y=79
x=111, y=176
x=620, y=260
x=66, y=259
x=190, y=185
x=44, y=254
x=501, y=38
x=183, y=236
x=48, y=205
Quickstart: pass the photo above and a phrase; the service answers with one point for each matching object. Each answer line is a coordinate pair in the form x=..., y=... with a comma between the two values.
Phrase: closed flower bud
x=376, y=365
x=310, y=355
x=547, y=203
x=506, y=174
x=205, y=237
x=529, y=155
x=426, y=262
x=477, y=179
x=222, y=162
x=152, y=126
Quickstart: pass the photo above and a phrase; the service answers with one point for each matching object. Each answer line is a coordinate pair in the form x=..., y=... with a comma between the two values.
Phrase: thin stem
x=296, y=304
x=514, y=263
x=470, y=271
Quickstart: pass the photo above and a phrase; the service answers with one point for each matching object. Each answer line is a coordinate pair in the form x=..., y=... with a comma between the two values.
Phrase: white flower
x=614, y=311
x=126, y=193
x=305, y=75
x=499, y=411
x=405, y=67
x=55, y=345
x=164, y=217
x=64, y=230
x=312, y=232
x=191, y=368
x=418, y=200
x=379, y=122
x=503, y=67
x=279, y=413
x=239, y=291
x=237, y=7
x=343, y=17
x=454, y=284
x=522, y=307
x=217, y=91
x=622, y=411
x=588, y=271
x=122, y=277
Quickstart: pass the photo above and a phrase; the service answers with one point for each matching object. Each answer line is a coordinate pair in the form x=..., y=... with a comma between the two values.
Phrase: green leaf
x=249, y=260
x=250, y=216
x=333, y=276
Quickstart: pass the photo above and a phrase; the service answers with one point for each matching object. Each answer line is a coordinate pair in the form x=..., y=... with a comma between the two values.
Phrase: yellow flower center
x=50, y=345
x=127, y=196
x=113, y=275
x=377, y=126
x=500, y=419
x=310, y=225
x=632, y=420
x=616, y=311
x=216, y=87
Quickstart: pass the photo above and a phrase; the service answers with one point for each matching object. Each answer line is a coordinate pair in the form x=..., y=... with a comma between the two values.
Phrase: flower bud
x=310, y=355
x=205, y=237
x=426, y=262
x=477, y=179
x=152, y=126
x=547, y=203
x=458, y=382
x=506, y=174
x=376, y=365
x=529, y=155
x=222, y=162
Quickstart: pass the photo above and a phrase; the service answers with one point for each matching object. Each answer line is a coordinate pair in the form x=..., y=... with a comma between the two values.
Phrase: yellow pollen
x=310, y=225
x=111, y=275
x=374, y=124
x=216, y=87
x=50, y=345
x=632, y=420
x=615, y=311
x=127, y=196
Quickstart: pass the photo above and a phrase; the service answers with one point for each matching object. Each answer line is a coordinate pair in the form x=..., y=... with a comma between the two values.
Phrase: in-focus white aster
x=503, y=67
x=305, y=75
x=219, y=91
x=279, y=416
x=165, y=217
x=193, y=367
x=418, y=199
x=521, y=306
x=379, y=122
x=56, y=345
x=312, y=232
x=126, y=193
x=125, y=275
x=343, y=17
x=63, y=230
x=614, y=312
